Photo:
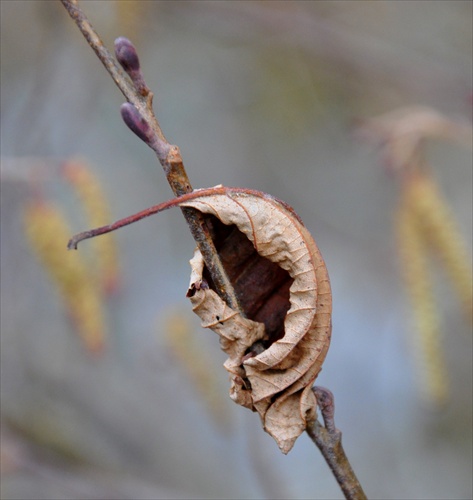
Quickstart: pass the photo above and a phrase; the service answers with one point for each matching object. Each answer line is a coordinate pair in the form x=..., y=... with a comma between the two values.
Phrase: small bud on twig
x=127, y=56
x=136, y=122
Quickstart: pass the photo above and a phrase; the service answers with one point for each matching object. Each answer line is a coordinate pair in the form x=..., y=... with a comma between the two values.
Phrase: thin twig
x=139, y=116
x=329, y=441
x=127, y=87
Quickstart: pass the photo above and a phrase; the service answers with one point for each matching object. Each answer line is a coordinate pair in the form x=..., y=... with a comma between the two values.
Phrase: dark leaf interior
x=261, y=286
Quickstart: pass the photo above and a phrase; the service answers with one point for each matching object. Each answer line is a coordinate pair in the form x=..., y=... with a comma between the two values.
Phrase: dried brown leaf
x=270, y=375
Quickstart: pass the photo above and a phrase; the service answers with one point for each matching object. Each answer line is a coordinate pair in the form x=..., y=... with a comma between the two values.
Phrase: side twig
x=329, y=441
x=138, y=114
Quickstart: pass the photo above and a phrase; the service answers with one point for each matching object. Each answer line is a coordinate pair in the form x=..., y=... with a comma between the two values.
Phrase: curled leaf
x=272, y=377
x=278, y=338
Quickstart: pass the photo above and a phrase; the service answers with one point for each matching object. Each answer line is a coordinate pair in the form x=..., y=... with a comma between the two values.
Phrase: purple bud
x=127, y=56
x=136, y=123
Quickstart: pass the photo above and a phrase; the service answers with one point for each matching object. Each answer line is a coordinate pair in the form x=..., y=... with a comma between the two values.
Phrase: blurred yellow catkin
x=426, y=228
x=94, y=201
x=131, y=17
x=47, y=233
x=426, y=338
x=197, y=364
x=439, y=227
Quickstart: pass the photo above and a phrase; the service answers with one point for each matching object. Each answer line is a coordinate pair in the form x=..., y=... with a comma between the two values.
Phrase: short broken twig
x=329, y=441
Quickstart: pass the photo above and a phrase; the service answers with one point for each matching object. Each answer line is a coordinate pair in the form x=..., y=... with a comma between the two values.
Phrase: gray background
x=256, y=94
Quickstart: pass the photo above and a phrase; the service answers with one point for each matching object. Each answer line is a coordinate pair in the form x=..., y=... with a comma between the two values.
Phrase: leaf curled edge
x=275, y=382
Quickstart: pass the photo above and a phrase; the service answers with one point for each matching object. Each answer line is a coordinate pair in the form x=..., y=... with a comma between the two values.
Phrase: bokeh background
x=263, y=95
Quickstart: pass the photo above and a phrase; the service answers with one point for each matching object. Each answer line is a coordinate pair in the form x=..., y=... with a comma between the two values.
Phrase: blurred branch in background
x=41, y=464
x=330, y=35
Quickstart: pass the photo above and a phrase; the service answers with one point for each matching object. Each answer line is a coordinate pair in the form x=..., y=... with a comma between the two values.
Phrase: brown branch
x=329, y=441
x=138, y=114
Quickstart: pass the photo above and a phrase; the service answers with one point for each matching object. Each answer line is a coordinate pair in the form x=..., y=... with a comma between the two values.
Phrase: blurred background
x=265, y=95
